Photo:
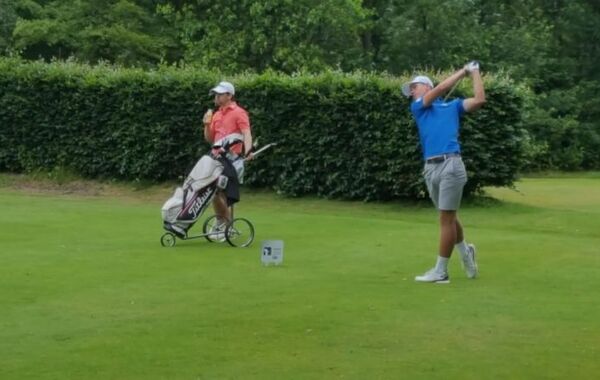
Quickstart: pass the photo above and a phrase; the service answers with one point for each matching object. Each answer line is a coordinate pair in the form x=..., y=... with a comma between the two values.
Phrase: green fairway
x=87, y=291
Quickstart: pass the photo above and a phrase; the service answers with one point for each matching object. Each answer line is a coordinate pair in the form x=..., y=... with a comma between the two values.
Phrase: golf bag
x=188, y=203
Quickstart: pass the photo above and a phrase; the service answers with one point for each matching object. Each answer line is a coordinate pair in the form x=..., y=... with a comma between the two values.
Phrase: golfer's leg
x=462, y=246
x=439, y=274
x=459, y=231
x=220, y=206
x=447, y=232
x=451, y=189
x=430, y=175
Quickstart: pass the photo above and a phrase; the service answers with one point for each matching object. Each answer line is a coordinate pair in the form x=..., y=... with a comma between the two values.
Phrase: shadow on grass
x=486, y=201
x=555, y=174
x=483, y=200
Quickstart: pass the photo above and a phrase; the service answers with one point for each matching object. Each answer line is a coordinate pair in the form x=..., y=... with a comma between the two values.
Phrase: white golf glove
x=472, y=66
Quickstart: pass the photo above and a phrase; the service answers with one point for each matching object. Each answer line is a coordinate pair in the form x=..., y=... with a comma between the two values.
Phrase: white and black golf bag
x=188, y=203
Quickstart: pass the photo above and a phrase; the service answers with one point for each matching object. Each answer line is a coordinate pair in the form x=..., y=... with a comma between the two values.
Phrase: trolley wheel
x=168, y=240
x=208, y=226
x=239, y=233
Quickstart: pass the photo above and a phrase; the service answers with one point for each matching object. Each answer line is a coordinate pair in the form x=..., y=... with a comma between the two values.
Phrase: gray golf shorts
x=238, y=165
x=239, y=168
x=445, y=182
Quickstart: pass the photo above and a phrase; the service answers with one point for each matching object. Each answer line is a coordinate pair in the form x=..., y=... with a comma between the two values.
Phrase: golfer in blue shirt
x=438, y=122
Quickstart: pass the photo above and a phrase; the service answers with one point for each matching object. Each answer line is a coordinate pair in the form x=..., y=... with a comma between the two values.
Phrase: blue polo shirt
x=438, y=125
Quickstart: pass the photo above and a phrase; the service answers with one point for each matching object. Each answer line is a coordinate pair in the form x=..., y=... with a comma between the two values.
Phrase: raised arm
x=478, y=100
x=443, y=87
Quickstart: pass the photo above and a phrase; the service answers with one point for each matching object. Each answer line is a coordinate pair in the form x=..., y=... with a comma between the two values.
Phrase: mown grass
x=86, y=290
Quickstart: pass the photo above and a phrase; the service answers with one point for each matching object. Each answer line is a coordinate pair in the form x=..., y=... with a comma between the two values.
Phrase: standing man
x=229, y=122
x=445, y=174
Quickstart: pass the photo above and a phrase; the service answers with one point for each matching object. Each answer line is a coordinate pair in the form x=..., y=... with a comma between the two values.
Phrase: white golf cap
x=223, y=88
x=418, y=79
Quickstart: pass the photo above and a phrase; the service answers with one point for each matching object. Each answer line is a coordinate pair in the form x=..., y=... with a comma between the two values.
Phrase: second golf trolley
x=211, y=173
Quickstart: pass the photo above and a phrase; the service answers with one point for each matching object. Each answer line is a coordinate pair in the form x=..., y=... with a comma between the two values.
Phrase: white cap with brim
x=223, y=88
x=418, y=79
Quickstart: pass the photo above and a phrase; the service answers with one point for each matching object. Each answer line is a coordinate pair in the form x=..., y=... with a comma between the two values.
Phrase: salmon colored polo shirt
x=228, y=120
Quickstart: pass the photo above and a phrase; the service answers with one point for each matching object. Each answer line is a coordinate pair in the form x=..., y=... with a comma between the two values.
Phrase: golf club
x=457, y=83
x=452, y=89
x=263, y=149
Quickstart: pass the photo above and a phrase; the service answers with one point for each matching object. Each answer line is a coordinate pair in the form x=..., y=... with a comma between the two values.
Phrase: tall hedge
x=340, y=135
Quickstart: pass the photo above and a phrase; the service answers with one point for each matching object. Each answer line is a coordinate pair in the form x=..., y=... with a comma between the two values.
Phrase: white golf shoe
x=217, y=233
x=469, y=262
x=434, y=276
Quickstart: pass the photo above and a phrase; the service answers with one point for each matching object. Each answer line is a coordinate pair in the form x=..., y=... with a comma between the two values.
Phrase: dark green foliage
x=8, y=18
x=126, y=32
x=281, y=35
x=99, y=122
x=493, y=136
x=552, y=46
x=345, y=136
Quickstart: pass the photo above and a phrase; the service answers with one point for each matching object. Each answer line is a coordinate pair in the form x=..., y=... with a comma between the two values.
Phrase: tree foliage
x=120, y=31
x=8, y=19
x=551, y=46
x=282, y=35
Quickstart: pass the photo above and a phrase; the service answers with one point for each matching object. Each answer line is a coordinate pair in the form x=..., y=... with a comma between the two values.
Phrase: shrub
x=347, y=136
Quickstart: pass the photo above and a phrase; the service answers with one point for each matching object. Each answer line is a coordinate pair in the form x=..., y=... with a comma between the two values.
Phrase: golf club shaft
x=263, y=149
x=452, y=89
